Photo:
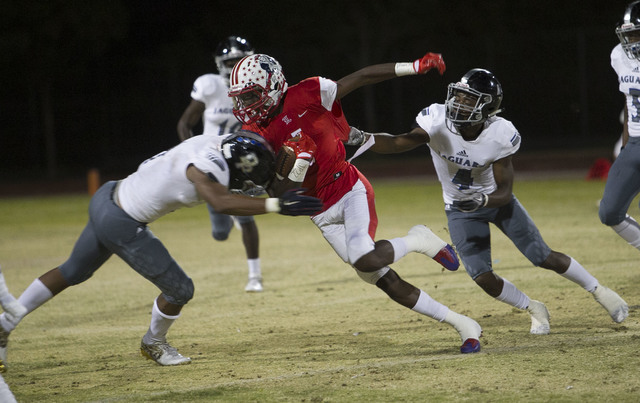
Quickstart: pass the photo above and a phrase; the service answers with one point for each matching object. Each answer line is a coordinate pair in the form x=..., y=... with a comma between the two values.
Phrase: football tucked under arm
x=292, y=162
x=285, y=160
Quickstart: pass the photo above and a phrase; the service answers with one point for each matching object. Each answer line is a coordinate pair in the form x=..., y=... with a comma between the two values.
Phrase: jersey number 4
x=463, y=179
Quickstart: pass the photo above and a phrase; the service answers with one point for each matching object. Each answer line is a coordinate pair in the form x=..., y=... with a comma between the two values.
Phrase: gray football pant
x=110, y=230
x=471, y=235
x=623, y=184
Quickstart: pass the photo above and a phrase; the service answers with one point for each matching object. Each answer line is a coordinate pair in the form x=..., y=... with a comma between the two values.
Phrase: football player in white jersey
x=206, y=168
x=211, y=105
x=471, y=149
x=15, y=309
x=623, y=181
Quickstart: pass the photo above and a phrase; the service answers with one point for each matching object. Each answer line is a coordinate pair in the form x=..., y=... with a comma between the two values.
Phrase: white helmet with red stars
x=257, y=86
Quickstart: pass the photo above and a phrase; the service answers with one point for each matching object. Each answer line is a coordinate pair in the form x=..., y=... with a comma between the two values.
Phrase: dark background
x=102, y=83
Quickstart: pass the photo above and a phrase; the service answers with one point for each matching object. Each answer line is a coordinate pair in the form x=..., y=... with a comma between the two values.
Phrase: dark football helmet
x=251, y=162
x=628, y=31
x=474, y=99
x=229, y=51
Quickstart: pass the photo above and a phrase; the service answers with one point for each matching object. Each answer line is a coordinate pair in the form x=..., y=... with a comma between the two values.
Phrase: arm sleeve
x=328, y=91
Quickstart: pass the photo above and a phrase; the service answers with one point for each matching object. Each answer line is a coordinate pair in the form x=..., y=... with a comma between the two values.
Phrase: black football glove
x=475, y=202
x=293, y=202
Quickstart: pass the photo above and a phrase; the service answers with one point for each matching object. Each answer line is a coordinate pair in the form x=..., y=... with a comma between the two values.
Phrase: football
x=284, y=161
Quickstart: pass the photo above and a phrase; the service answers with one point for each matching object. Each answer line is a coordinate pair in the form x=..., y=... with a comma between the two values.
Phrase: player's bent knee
x=374, y=276
x=220, y=236
x=182, y=293
x=74, y=277
x=609, y=218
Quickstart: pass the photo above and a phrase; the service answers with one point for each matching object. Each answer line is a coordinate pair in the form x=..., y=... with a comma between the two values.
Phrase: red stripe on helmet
x=236, y=70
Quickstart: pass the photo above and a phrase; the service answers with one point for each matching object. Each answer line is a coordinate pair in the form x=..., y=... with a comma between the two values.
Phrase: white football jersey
x=218, y=118
x=465, y=167
x=160, y=185
x=628, y=71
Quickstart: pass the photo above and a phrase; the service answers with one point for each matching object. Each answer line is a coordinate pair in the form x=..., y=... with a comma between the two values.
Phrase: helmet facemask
x=466, y=106
x=252, y=104
x=257, y=86
x=251, y=189
x=629, y=35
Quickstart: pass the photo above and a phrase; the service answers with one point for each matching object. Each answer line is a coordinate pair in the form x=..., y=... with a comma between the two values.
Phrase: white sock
x=160, y=324
x=512, y=296
x=461, y=324
x=399, y=248
x=254, y=268
x=426, y=242
x=8, y=301
x=34, y=296
x=5, y=393
x=629, y=230
x=580, y=276
x=430, y=307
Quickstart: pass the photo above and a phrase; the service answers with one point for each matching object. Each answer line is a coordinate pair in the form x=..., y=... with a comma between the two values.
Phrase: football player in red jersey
x=308, y=118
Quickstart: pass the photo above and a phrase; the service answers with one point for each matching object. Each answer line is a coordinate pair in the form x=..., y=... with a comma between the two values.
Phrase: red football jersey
x=330, y=176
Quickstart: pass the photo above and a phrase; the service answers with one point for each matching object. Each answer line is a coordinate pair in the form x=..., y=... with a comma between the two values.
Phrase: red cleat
x=447, y=258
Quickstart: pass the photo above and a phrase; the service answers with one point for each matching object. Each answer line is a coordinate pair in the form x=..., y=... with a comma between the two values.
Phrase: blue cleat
x=470, y=346
x=422, y=240
x=448, y=258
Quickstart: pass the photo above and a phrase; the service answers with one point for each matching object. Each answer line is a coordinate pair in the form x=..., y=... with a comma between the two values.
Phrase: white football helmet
x=257, y=86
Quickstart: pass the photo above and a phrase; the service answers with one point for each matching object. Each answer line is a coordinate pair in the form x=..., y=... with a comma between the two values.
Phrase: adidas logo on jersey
x=636, y=70
x=462, y=153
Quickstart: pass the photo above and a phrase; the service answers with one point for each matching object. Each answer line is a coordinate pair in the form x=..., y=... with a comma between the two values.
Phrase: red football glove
x=429, y=61
x=303, y=146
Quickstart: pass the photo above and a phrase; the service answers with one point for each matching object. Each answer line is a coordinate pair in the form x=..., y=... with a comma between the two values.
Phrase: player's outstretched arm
x=386, y=143
x=292, y=202
x=381, y=72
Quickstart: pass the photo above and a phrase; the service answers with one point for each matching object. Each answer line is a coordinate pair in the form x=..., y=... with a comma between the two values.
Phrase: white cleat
x=612, y=302
x=254, y=285
x=163, y=353
x=539, y=317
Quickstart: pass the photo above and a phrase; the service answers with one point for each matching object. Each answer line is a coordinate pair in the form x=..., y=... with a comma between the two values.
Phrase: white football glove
x=357, y=137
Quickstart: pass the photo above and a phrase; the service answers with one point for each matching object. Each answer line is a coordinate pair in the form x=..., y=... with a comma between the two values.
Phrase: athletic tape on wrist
x=405, y=69
x=272, y=205
x=299, y=170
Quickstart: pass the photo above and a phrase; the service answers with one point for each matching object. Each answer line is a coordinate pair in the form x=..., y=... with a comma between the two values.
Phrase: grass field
x=318, y=333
